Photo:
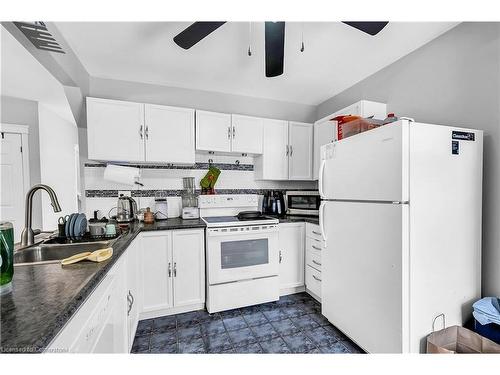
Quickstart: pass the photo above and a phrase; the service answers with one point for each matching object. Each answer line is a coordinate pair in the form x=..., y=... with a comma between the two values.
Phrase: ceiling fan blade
x=372, y=28
x=196, y=32
x=275, y=48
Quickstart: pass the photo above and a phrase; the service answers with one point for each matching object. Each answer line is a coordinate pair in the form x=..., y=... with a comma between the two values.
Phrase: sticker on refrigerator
x=455, y=147
x=463, y=136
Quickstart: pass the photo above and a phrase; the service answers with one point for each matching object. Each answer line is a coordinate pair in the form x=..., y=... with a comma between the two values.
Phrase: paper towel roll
x=121, y=174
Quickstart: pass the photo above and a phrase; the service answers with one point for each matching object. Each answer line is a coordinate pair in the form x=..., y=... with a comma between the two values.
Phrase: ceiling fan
x=274, y=39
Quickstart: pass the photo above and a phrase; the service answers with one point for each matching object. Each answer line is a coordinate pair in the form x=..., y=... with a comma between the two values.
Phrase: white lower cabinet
x=173, y=271
x=134, y=289
x=291, y=253
x=100, y=325
x=314, y=247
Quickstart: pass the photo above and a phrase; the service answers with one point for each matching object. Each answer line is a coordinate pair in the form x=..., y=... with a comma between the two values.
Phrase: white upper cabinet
x=324, y=130
x=246, y=134
x=300, y=142
x=139, y=133
x=169, y=134
x=213, y=131
x=287, y=151
x=273, y=164
x=115, y=130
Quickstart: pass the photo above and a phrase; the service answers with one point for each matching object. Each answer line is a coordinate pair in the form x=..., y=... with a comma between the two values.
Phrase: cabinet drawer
x=313, y=231
x=314, y=245
x=313, y=280
x=313, y=259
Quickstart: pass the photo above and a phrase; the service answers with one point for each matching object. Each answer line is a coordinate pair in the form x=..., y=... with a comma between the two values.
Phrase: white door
x=157, y=270
x=12, y=182
x=300, y=137
x=247, y=134
x=291, y=245
x=213, y=131
x=324, y=132
x=363, y=273
x=368, y=166
x=169, y=134
x=115, y=130
x=188, y=267
x=133, y=292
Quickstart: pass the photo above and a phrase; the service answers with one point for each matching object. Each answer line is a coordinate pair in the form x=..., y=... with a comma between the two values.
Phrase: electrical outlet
x=126, y=193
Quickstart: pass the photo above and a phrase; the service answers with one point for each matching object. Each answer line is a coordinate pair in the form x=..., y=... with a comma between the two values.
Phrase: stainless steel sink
x=52, y=253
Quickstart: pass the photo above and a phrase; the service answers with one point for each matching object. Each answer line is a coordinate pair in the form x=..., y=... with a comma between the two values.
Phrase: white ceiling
x=336, y=56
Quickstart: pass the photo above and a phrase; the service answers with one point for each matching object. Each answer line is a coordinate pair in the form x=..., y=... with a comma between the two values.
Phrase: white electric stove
x=242, y=255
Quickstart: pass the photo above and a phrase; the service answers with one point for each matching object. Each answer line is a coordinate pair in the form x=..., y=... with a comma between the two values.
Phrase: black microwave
x=304, y=202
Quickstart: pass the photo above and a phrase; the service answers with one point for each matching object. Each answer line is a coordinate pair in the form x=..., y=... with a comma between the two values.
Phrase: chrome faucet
x=28, y=234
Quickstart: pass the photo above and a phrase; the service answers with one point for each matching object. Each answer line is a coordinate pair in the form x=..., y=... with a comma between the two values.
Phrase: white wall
x=453, y=80
x=58, y=138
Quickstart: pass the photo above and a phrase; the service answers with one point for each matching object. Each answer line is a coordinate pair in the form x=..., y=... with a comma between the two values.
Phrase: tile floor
x=293, y=324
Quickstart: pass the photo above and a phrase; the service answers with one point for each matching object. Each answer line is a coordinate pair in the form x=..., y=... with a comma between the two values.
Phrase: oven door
x=242, y=253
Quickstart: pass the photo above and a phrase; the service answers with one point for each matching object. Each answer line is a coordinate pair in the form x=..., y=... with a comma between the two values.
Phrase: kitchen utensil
x=249, y=215
x=97, y=229
x=6, y=256
x=61, y=224
x=72, y=219
x=110, y=229
x=80, y=226
x=126, y=209
x=97, y=256
x=148, y=216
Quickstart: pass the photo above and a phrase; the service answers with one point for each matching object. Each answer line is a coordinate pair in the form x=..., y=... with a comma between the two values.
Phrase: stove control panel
x=228, y=200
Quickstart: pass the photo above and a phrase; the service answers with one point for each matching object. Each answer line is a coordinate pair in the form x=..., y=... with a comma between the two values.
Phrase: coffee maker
x=274, y=203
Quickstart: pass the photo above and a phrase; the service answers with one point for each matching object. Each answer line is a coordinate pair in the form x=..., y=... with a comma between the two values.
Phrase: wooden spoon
x=96, y=256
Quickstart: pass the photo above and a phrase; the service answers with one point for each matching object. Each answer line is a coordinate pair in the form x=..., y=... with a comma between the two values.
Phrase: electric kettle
x=126, y=209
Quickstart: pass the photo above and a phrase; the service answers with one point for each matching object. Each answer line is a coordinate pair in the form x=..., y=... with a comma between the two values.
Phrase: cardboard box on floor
x=457, y=339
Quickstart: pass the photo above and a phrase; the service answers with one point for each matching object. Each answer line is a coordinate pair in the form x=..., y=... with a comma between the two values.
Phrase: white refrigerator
x=401, y=219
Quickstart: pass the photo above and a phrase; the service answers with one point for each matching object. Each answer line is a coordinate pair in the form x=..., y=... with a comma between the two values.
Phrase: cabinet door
x=188, y=266
x=156, y=256
x=133, y=290
x=169, y=134
x=115, y=130
x=273, y=164
x=300, y=136
x=213, y=131
x=291, y=244
x=324, y=132
x=246, y=134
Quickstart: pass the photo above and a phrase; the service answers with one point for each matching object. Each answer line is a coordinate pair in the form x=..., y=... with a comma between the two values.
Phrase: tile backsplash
x=237, y=177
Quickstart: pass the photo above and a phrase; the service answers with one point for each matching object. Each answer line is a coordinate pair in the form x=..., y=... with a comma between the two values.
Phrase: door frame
x=23, y=131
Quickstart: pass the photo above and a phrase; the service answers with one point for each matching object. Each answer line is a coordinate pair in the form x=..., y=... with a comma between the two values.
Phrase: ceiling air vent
x=37, y=33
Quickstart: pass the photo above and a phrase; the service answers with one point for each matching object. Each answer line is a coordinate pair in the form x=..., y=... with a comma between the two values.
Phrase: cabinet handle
x=291, y=150
x=287, y=150
x=234, y=131
x=316, y=278
x=316, y=263
x=147, y=132
x=281, y=257
x=129, y=304
x=133, y=299
x=228, y=132
x=175, y=269
x=316, y=233
x=140, y=132
x=169, y=269
x=315, y=247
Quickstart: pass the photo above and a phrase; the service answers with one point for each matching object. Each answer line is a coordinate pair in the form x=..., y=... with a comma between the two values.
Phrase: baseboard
x=171, y=311
x=292, y=290
x=313, y=295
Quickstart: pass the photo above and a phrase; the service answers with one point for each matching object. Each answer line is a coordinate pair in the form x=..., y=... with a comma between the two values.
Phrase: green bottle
x=7, y=256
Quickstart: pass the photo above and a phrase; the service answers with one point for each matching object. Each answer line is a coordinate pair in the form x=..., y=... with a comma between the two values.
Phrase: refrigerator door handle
x=320, y=178
x=322, y=219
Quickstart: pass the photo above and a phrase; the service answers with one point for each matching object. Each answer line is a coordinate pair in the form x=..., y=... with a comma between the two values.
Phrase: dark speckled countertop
x=45, y=296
